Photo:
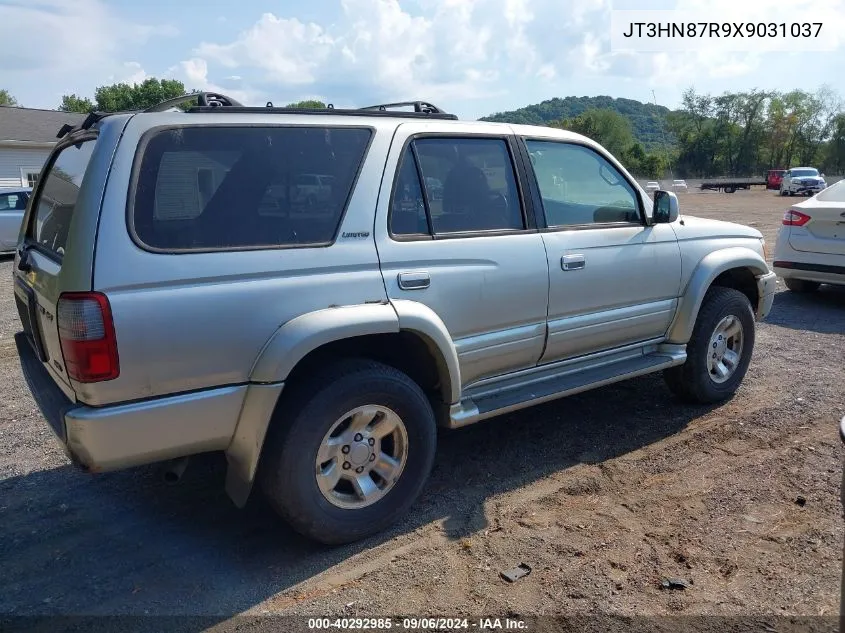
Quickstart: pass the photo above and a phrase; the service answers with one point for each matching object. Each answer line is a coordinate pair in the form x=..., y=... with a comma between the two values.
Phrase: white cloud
x=57, y=35
x=453, y=49
x=457, y=49
x=194, y=74
x=131, y=73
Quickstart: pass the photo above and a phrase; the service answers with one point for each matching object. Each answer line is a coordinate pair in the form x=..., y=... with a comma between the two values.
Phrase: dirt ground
x=603, y=495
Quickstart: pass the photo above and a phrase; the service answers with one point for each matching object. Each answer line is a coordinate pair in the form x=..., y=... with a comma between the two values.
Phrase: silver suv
x=178, y=297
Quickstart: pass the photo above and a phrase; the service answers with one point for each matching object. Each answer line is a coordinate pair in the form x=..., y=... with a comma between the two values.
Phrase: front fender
x=711, y=266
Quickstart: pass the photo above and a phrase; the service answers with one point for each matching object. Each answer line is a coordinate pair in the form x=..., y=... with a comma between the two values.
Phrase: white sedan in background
x=679, y=185
x=810, y=248
x=12, y=207
x=652, y=185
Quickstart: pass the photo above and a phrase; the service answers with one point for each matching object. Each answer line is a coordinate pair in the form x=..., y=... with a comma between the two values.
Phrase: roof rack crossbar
x=204, y=99
x=419, y=106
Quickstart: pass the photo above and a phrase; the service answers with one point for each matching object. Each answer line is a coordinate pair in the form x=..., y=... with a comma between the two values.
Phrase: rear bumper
x=766, y=291
x=822, y=273
x=119, y=436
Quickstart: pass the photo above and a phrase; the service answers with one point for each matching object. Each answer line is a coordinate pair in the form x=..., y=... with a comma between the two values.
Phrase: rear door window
x=210, y=188
x=57, y=196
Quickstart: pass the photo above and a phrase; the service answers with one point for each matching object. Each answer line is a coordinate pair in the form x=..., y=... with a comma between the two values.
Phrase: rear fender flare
x=294, y=340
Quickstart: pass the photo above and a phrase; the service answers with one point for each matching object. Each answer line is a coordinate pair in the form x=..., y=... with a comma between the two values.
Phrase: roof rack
x=216, y=102
x=204, y=100
x=419, y=106
x=421, y=109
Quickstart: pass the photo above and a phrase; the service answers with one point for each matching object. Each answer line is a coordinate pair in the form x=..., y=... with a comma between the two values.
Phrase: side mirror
x=666, y=208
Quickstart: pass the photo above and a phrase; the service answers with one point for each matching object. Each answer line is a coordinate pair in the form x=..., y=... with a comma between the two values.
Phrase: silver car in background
x=12, y=206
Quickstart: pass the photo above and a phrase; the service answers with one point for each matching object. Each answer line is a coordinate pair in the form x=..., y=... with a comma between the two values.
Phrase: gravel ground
x=603, y=494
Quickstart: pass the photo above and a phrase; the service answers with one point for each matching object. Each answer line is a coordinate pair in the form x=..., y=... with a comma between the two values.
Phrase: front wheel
x=719, y=350
x=352, y=454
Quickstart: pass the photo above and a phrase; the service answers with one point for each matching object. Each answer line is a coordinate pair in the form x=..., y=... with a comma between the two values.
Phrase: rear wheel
x=353, y=455
x=801, y=285
x=719, y=350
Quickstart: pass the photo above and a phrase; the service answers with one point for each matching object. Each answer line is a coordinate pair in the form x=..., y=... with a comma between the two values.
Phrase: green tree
x=123, y=96
x=652, y=166
x=834, y=159
x=74, y=103
x=6, y=99
x=308, y=104
x=607, y=127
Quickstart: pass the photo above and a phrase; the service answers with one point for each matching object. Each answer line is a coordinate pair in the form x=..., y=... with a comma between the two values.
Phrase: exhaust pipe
x=174, y=470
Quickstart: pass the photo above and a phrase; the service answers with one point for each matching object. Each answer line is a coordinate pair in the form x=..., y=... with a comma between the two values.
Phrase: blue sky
x=471, y=57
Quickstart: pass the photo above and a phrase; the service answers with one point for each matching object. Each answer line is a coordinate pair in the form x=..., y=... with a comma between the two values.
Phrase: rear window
x=57, y=197
x=203, y=188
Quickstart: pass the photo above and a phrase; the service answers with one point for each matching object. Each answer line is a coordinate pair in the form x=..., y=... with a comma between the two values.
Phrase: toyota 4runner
x=178, y=296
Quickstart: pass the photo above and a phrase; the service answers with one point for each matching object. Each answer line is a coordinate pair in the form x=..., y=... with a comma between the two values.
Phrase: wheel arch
x=409, y=337
x=735, y=267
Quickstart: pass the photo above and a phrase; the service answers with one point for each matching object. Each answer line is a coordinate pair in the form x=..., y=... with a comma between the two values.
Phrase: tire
x=729, y=189
x=801, y=285
x=693, y=381
x=783, y=193
x=288, y=474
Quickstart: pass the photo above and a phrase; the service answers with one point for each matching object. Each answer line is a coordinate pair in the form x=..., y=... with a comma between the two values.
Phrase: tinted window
x=804, y=173
x=469, y=184
x=12, y=201
x=407, y=213
x=230, y=187
x=578, y=186
x=57, y=197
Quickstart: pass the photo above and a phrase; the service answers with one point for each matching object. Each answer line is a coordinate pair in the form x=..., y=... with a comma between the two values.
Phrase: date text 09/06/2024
x=723, y=29
x=417, y=624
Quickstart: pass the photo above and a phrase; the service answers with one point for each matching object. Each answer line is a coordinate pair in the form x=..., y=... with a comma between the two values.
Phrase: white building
x=26, y=137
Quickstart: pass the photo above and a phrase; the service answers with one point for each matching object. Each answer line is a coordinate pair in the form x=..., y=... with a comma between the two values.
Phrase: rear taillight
x=795, y=218
x=86, y=332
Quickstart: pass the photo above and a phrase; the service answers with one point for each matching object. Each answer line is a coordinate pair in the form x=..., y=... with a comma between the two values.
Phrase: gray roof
x=27, y=124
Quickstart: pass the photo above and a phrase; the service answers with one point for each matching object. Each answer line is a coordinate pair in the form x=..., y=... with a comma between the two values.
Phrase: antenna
x=665, y=144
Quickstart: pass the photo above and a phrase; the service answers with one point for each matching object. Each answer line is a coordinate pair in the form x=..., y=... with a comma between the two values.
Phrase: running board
x=565, y=381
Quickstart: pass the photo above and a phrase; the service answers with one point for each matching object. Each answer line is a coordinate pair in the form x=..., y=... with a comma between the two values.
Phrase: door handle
x=573, y=262
x=414, y=281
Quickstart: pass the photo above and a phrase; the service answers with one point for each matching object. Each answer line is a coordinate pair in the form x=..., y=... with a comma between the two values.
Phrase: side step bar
x=565, y=381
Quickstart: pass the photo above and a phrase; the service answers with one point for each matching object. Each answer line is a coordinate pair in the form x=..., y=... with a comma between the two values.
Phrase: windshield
x=802, y=173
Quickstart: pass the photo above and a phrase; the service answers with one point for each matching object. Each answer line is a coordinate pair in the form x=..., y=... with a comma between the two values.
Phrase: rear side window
x=57, y=197
x=469, y=186
x=203, y=188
